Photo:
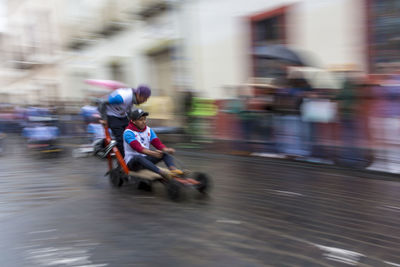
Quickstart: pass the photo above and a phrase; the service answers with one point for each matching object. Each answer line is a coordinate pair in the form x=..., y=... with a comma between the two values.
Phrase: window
x=268, y=28
x=268, y=31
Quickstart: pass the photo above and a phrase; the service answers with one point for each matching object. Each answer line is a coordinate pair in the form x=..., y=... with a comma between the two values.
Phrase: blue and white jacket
x=120, y=102
x=135, y=140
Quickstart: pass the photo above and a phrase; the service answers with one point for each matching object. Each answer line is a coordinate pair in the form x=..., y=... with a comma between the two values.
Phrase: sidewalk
x=264, y=150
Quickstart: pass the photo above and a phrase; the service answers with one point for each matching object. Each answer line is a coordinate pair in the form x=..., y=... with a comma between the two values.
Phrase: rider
x=115, y=109
x=137, y=139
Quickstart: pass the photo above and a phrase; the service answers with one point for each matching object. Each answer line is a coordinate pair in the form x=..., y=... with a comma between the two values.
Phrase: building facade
x=50, y=47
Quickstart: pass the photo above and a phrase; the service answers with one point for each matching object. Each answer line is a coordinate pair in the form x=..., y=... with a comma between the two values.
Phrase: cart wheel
x=174, y=189
x=145, y=186
x=116, y=177
x=205, y=182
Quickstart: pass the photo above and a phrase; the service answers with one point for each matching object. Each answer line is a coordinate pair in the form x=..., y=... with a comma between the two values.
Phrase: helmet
x=137, y=114
x=143, y=91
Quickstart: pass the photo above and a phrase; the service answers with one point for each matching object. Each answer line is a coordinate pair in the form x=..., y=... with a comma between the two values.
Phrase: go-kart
x=120, y=174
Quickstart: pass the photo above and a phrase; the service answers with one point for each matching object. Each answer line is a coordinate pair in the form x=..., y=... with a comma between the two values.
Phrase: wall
x=331, y=32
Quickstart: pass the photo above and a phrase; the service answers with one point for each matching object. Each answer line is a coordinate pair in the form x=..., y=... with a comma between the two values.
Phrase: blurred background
x=311, y=80
x=290, y=106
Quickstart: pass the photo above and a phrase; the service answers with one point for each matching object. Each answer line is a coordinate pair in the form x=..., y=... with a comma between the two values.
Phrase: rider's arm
x=155, y=141
x=148, y=152
x=113, y=99
x=139, y=148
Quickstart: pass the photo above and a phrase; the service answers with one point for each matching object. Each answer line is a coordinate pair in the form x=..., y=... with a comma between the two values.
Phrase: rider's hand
x=103, y=122
x=169, y=150
x=157, y=154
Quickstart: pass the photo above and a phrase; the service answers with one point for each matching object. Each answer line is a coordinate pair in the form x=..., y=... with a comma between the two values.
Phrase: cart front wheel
x=204, y=185
x=116, y=178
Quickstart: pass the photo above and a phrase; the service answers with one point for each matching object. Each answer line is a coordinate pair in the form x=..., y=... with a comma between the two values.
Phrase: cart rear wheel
x=116, y=177
x=204, y=180
x=174, y=189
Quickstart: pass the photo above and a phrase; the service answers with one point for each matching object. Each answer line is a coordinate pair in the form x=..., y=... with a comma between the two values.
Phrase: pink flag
x=110, y=84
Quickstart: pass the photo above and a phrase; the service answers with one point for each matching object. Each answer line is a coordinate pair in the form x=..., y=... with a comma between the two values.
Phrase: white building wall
x=332, y=31
x=220, y=42
x=130, y=47
x=215, y=38
x=31, y=28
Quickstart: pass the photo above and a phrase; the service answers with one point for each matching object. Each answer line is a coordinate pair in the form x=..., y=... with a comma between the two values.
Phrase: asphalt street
x=62, y=211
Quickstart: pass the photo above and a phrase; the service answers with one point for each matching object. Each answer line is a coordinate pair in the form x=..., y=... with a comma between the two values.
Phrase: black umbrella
x=279, y=52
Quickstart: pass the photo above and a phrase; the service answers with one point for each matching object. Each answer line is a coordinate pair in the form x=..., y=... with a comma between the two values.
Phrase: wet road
x=63, y=212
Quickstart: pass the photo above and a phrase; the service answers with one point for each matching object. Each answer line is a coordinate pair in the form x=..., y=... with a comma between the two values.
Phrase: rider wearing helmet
x=137, y=140
x=115, y=109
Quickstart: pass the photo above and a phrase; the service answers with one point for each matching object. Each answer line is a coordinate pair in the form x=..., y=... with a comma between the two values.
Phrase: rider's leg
x=140, y=162
x=117, y=126
x=148, y=162
x=118, y=133
x=162, y=172
x=169, y=161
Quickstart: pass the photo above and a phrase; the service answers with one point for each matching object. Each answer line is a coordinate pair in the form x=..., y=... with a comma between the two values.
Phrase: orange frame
x=116, y=151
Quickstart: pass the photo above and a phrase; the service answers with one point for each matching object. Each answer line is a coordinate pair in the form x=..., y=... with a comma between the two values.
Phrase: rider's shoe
x=166, y=174
x=176, y=172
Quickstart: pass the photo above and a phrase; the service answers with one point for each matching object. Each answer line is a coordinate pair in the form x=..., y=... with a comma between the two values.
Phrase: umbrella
x=110, y=84
x=318, y=78
x=279, y=52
